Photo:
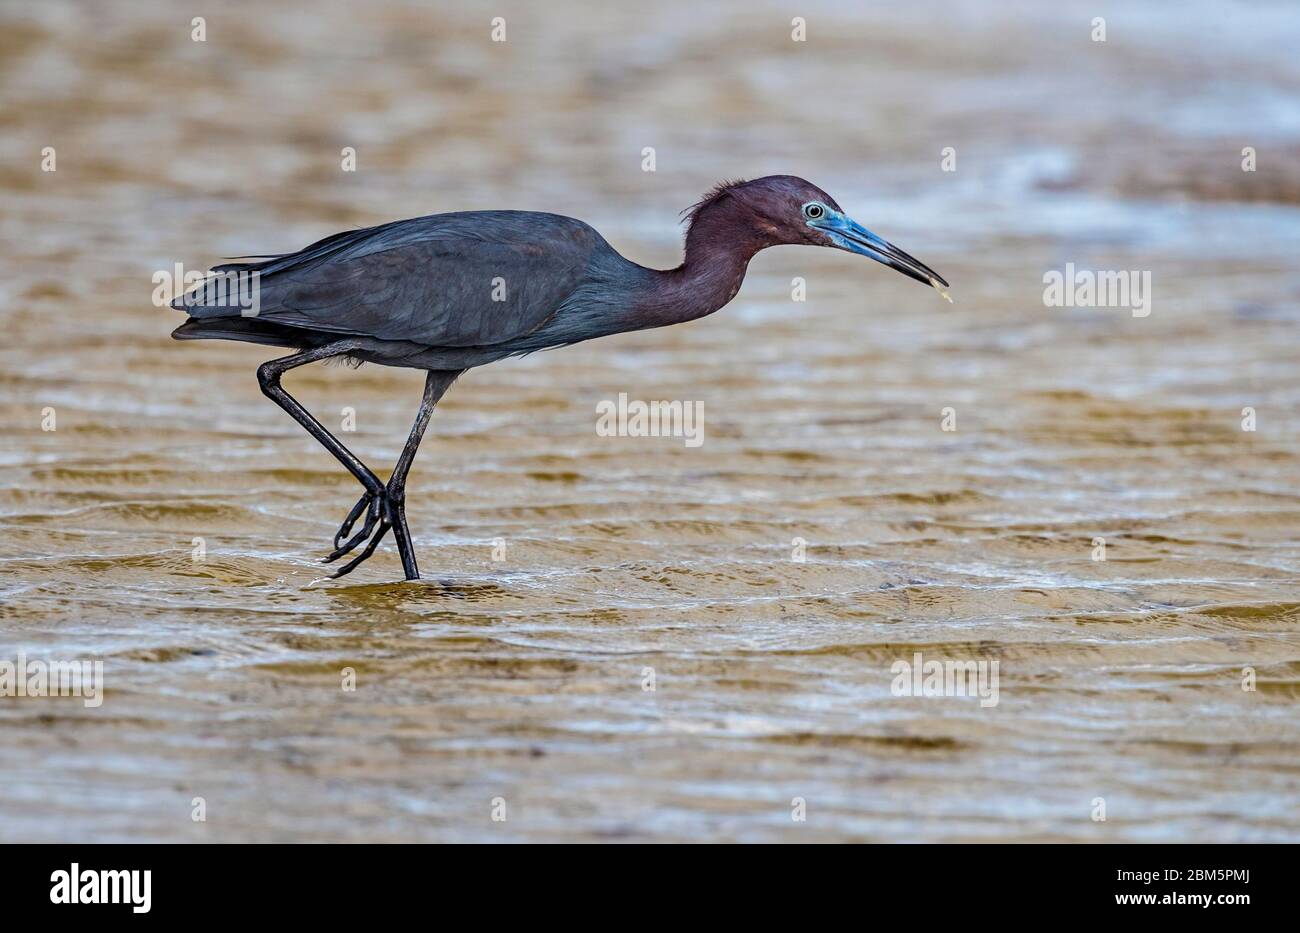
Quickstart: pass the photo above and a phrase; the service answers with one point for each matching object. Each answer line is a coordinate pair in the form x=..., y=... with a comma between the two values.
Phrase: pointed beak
x=847, y=234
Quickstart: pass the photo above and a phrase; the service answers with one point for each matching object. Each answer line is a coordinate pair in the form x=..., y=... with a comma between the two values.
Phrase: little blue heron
x=449, y=292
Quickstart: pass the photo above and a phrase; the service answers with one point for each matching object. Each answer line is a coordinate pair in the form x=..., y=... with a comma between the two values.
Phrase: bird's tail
x=246, y=329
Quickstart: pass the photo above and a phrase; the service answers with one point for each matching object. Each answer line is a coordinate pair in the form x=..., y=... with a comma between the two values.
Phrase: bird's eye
x=813, y=211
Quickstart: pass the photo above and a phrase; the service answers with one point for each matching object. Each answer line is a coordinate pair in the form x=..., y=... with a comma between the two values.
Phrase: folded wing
x=447, y=280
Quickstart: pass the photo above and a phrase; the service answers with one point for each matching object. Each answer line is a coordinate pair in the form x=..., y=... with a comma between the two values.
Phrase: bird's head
x=789, y=210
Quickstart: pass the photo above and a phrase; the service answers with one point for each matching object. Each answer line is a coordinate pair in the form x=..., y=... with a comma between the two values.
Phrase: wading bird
x=449, y=292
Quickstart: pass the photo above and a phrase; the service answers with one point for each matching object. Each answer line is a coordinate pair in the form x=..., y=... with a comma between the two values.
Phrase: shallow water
x=523, y=678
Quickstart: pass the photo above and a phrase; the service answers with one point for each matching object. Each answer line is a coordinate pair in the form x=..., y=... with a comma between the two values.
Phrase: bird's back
x=471, y=279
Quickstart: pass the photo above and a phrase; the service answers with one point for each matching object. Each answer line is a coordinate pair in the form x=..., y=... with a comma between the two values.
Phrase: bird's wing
x=448, y=280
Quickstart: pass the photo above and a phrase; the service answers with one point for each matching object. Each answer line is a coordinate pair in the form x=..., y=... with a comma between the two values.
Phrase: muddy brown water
x=522, y=680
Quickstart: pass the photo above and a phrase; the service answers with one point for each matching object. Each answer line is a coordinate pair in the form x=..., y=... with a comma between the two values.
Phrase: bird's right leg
x=374, y=501
x=435, y=385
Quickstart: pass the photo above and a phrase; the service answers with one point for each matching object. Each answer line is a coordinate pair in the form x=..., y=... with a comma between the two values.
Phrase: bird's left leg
x=436, y=384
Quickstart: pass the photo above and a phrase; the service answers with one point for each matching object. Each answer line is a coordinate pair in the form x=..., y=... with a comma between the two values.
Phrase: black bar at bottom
x=331, y=883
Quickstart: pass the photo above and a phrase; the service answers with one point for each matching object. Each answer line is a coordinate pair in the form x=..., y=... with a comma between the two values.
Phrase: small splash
x=941, y=290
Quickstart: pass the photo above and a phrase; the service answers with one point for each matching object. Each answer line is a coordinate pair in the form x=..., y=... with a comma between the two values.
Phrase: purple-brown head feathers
x=746, y=216
x=770, y=207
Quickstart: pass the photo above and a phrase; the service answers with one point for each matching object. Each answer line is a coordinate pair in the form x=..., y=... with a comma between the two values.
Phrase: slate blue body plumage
x=449, y=292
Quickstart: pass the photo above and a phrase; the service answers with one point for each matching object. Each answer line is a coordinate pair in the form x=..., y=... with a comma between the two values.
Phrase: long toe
x=370, y=549
x=351, y=544
x=363, y=505
x=373, y=516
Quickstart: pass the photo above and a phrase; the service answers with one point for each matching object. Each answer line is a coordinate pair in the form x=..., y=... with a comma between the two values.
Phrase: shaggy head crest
x=716, y=193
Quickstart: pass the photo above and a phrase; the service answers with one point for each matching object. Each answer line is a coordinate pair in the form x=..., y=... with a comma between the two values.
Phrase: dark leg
x=390, y=510
x=268, y=375
x=435, y=385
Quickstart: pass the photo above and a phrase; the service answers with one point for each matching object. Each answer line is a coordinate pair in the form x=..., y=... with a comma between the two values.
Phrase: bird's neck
x=719, y=244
